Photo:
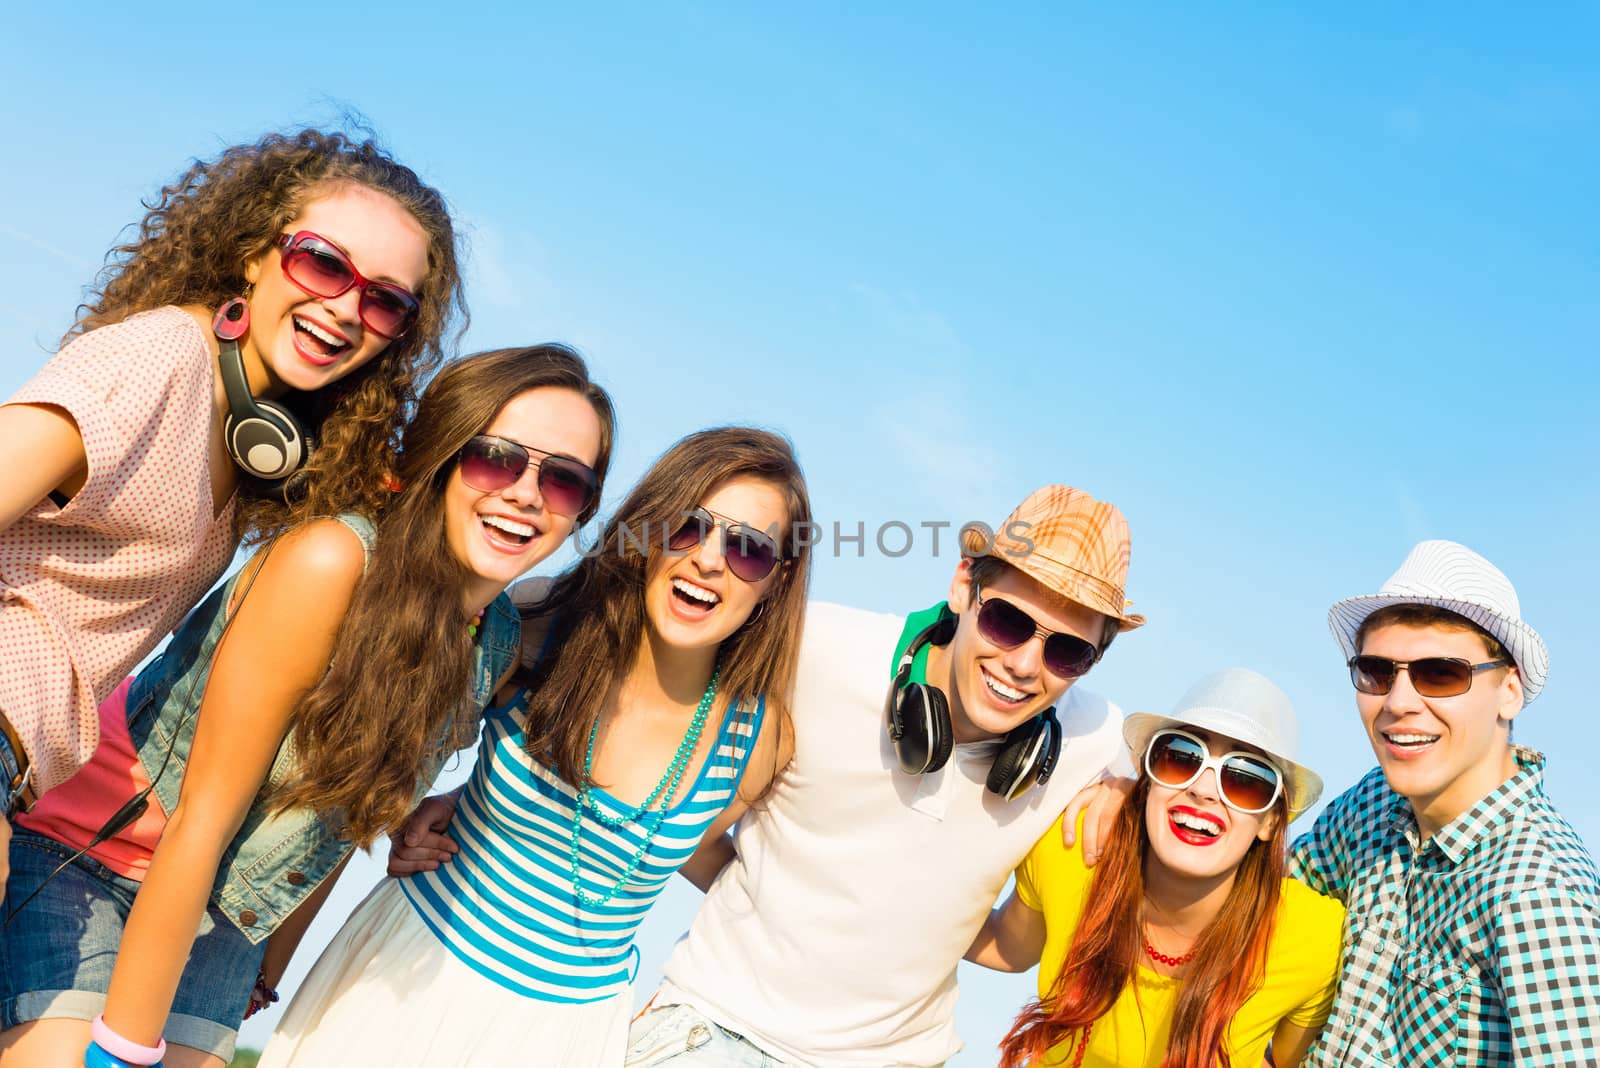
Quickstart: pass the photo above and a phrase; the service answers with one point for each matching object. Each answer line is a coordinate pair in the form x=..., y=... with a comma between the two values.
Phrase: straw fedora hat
x=1070, y=542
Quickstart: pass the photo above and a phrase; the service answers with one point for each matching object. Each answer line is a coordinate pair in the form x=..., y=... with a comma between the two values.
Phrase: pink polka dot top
x=87, y=590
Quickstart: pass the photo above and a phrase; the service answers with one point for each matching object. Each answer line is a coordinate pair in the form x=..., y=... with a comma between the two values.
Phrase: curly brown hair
x=192, y=247
x=397, y=689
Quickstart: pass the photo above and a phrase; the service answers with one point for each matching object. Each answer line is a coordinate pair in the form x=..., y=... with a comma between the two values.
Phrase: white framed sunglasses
x=1246, y=782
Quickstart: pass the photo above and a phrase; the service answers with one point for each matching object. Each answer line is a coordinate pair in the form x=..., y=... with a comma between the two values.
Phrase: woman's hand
x=421, y=844
x=262, y=995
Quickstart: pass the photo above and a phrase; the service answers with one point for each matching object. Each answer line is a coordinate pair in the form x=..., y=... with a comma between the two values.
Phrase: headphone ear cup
x=266, y=443
x=920, y=729
x=263, y=437
x=1027, y=756
x=939, y=729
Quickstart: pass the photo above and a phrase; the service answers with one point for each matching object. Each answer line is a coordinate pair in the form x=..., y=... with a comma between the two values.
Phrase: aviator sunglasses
x=751, y=555
x=1002, y=623
x=1245, y=782
x=1431, y=676
x=490, y=464
x=322, y=269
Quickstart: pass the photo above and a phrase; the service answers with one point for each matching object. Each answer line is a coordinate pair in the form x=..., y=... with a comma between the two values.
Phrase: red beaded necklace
x=1162, y=958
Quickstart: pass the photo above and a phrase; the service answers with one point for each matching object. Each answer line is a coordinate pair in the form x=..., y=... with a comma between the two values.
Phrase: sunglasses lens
x=318, y=267
x=695, y=529
x=491, y=464
x=567, y=486
x=750, y=556
x=1437, y=676
x=387, y=311
x=1248, y=784
x=1068, y=656
x=1174, y=760
x=1372, y=674
x=1004, y=624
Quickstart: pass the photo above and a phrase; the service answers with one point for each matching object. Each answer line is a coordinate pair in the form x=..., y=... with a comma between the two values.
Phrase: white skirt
x=387, y=991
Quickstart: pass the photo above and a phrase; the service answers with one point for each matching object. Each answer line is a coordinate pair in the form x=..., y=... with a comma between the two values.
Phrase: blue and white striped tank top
x=505, y=904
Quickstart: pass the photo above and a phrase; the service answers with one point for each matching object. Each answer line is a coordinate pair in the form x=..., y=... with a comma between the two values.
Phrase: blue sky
x=1295, y=288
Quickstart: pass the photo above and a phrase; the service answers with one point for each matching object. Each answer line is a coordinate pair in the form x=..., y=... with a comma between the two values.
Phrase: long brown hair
x=1108, y=944
x=398, y=686
x=597, y=607
x=192, y=247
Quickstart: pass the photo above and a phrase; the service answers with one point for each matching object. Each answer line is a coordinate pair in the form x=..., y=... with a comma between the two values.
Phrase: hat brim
x=1303, y=785
x=1521, y=641
x=1078, y=589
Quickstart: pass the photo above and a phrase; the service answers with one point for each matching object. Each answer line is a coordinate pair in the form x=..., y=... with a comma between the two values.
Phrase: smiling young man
x=842, y=906
x=1473, y=931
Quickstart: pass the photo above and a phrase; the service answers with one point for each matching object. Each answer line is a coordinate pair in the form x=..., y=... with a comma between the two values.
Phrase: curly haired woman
x=133, y=474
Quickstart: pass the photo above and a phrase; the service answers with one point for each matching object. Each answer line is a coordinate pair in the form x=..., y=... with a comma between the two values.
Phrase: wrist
x=120, y=1050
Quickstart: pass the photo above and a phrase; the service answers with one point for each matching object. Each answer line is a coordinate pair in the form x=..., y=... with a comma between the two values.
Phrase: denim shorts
x=56, y=957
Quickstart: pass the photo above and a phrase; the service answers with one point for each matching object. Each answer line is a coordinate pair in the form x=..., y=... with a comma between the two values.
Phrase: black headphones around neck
x=264, y=438
x=918, y=717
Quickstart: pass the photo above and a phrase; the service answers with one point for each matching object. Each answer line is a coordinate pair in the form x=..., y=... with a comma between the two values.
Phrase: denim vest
x=274, y=861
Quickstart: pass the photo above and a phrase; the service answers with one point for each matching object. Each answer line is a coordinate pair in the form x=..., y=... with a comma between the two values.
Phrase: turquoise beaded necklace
x=649, y=817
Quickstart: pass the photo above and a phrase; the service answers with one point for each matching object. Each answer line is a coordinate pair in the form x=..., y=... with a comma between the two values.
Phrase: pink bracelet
x=123, y=1048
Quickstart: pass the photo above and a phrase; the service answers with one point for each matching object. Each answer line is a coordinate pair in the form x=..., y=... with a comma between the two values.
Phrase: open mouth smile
x=1193, y=827
x=1007, y=694
x=507, y=534
x=316, y=343
x=692, y=601
x=1406, y=745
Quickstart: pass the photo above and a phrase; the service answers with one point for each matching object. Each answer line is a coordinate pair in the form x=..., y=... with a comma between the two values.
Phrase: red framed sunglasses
x=322, y=269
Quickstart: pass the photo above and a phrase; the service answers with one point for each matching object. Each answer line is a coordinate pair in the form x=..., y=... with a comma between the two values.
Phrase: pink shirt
x=86, y=591
x=73, y=812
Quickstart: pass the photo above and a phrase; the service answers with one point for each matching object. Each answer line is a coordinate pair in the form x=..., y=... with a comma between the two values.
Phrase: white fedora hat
x=1246, y=707
x=1453, y=577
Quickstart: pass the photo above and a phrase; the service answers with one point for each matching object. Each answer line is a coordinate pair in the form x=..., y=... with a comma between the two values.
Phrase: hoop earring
x=761, y=607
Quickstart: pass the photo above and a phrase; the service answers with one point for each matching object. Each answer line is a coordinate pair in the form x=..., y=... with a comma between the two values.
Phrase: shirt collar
x=1461, y=835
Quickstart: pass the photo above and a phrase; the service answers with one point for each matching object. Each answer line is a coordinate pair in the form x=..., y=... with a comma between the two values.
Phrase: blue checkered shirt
x=1480, y=946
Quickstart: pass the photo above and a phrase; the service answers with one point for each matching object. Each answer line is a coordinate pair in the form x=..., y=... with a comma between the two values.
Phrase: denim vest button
x=247, y=918
x=296, y=878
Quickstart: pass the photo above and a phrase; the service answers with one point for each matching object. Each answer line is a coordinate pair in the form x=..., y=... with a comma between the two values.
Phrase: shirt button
x=248, y=918
x=296, y=878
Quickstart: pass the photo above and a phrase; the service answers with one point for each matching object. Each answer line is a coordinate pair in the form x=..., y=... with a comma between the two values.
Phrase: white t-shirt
x=832, y=939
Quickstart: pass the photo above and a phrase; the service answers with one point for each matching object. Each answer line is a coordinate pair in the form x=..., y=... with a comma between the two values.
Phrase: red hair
x=1109, y=943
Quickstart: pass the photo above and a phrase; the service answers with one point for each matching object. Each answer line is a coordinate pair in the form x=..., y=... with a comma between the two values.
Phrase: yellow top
x=1302, y=966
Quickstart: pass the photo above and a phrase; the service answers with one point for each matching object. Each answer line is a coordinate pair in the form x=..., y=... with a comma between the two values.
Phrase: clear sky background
x=1294, y=288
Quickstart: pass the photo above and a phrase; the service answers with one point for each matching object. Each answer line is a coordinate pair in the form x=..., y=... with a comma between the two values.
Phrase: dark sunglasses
x=490, y=464
x=321, y=268
x=751, y=555
x=1245, y=782
x=1002, y=623
x=1431, y=676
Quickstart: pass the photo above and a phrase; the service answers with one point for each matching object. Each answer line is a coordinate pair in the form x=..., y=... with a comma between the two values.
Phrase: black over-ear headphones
x=918, y=718
x=263, y=438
